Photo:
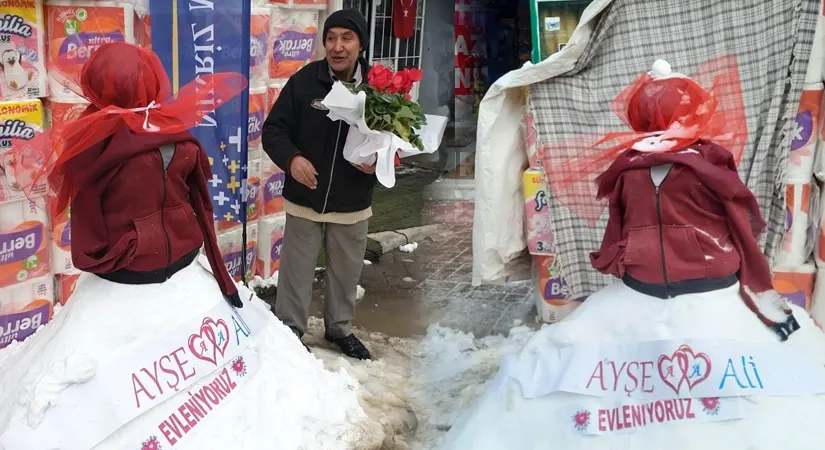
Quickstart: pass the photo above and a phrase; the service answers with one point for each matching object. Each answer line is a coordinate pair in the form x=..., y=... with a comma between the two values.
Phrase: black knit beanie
x=350, y=19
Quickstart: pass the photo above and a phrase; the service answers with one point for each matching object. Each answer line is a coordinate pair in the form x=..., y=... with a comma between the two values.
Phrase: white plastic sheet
x=366, y=146
x=498, y=223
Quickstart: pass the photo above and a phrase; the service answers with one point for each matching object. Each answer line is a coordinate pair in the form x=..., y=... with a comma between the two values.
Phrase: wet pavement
x=407, y=292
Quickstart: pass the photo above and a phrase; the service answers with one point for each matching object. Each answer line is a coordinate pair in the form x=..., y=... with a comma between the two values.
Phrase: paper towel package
x=537, y=213
x=301, y=4
x=22, y=50
x=794, y=249
x=24, y=241
x=270, y=239
x=274, y=88
x=806, y=134
x=552, y=300
x=230, y=244
x=292, y=34
x=796, y=284
x=257, y=114
x=65, y=285
x=273, y=179
x=61, y=243
x=24, y=307
x=22, y=121
x=77, y=29
x=254, y=198
x=62, y=110
x=259, y=46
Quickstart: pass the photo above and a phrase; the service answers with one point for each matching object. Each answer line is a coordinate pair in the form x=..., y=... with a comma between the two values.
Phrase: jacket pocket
x=183, y=230
x=643, y=245
x=684, y=256
x=150, y=237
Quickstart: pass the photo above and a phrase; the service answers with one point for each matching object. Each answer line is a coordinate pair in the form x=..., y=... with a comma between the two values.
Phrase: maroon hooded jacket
x=134, y=214
x=702, y=223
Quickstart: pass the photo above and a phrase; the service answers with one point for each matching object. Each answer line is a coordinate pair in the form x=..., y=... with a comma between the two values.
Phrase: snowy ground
x=417, y=388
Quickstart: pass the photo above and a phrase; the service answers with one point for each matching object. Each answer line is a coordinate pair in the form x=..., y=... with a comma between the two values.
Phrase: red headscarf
x=127, y=87
x=665, y=112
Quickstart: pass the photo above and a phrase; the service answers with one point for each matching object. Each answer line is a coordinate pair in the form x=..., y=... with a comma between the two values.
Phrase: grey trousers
x=344, y=247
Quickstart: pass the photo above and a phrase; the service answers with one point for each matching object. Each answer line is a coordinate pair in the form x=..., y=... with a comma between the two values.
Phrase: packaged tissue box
x=270, y=239
x=537, y=213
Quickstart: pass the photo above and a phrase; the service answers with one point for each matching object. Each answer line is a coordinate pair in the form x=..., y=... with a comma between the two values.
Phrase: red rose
x=415, y=75
x=380, y=78
x=401, y=82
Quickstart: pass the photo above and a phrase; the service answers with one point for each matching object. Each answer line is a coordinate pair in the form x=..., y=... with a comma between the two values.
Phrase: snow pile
x=452, y=373
x=384, y=381
x=291, y=402
x=409, y=248
x=260, y=283
x=367, y=262
x=360, y=292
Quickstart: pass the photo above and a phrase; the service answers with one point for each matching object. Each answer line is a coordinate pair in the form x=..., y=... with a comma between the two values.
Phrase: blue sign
x=201, y=37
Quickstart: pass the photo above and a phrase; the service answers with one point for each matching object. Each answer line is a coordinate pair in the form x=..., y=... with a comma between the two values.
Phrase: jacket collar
x=326, y=76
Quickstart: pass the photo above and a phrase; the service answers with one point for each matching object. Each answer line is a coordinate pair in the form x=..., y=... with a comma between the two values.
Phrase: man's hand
x=369, y=170
x=303, y=172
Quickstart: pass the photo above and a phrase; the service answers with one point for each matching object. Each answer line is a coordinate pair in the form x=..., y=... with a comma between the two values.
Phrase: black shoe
x=350, y=346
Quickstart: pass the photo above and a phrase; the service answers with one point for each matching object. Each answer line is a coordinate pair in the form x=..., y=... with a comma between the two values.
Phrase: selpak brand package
x=20, y=122
x=22, y=51
x=292, y=34
x=77, y=29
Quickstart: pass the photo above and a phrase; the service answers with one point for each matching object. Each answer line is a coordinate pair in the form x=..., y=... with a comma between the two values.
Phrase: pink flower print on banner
x=581, y=420
x=711, y=405
x=239, y=366
x=151, y=444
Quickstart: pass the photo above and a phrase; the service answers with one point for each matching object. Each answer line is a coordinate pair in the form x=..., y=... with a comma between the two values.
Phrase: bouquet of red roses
x=384, y=122
x=388, y=106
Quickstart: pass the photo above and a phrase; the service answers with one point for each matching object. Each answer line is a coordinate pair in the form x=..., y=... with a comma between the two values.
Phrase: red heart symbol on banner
x=212, y=340
x=670, y=370
x=697, y=366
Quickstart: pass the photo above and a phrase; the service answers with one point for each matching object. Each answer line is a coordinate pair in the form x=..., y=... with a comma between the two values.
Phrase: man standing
x=327, y=200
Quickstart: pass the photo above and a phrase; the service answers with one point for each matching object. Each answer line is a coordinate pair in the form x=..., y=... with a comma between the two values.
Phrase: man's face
x=342, y=47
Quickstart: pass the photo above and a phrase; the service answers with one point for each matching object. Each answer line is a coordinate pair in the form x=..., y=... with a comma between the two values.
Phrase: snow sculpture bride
x=149, y=354
x=691, y=347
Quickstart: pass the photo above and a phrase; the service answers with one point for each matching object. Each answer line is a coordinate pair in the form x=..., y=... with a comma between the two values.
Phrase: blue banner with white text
x=200, y=37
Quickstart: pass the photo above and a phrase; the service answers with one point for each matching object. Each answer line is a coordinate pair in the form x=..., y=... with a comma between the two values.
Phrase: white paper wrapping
x=366, y=146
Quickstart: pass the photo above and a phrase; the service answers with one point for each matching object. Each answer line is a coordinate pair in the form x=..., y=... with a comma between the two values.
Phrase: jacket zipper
x=332, y=169
x=662, y=235
x=163, y=219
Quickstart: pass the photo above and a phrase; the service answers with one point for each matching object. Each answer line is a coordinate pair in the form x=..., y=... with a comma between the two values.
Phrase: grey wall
x=438, y=56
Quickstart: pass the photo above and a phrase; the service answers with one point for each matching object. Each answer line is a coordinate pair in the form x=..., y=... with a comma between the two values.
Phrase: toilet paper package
x=816, y=63
x=255, y=152
x=552, y=296
x=796, y=284
x=65, y=284
x=537, y=213
x=24, y=241
x=292, y=35
x=273, y=179
x=259, y=46
x=230, y=244
x=257, y=114
x=61, y=243
x=301, y=4
x=254, y=199
x=274, y=91
x=806, y=129
x=20, y=122
x=22, y=50
x=801, y=207
x=75, y=30
x=62, y=110
x=24, y=307
x=270, y=239
x=818, y=298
